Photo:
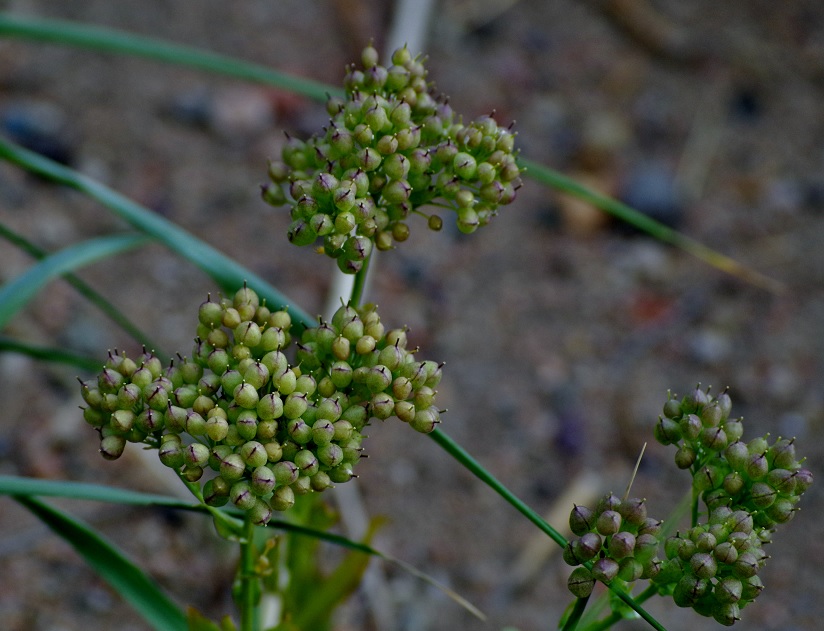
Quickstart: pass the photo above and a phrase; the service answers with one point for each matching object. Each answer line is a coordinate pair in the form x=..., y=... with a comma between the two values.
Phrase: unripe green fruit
x=714, y=438
x=745, y=566
x=690, y=426
x=216, y=492
x=379, y=378
x=306, y=463
x=269, y=407
x=405, y=411
x=150, y=421
x=274, y=451
x=330, y=454
x=196, y=455
x=608, y=522
x=342, y=473
x=667, y=431
x=283, y=498
x=581, y=520
x=217, y=428
x=750, y=588
x=757, y=466
x=262, y=481
x=246, y=396
x=232, y=467
x=688, y=590
x=246, y=424
x=605, y=570
x=621, y=544
x=111, y=447
x=725, y=553
x=203, y=405
x=329, y=409
x=295, y=405
x=242, y=496
x=155, y=396
x=341, y=372
x=171, y=454
x=122, y=421
x=257, y=375
x=581, y=582
x=382, y=406
x=195, y=424
x=185, y=396
x=299, y=431
x=685, y=457
x=191, y=473
x=762, y=495
x=323, y=431
x=630, y=569
x=703, y=565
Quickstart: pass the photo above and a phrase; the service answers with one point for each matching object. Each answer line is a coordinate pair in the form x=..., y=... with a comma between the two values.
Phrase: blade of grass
x=15, y=294
x=225, y=271
x=50, y=354
x=625, y=213
x=472, y=465
x=114, y=41
x=28, y=487
x=81, y=287
x=126, y=578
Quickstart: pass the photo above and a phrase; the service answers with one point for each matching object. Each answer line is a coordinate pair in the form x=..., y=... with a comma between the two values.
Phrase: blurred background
x=561, y=329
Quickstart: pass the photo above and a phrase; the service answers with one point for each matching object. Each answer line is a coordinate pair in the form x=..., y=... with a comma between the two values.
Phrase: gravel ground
x=561, y=330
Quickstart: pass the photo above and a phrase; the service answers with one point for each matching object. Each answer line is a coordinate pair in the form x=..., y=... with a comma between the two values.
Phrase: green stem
x=615, y=617
x=575, y=615
x=360, y=284
x=246, y=573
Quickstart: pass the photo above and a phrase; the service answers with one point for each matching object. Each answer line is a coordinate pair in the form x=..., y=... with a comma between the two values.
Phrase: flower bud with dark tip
x=241, y=495
x=621, y=544
x=667, y=431
x=685, y=457
x=630, y=569
x=581, y=520
x=426, y=420
x=605, y=570
x=690, y=426
x=111, y=447
x=581, y=582
x=703, y=565
x=608, y=522
x=306, y=462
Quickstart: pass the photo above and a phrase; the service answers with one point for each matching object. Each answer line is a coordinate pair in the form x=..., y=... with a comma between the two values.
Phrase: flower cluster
x=265, y=428
x=619, y=539
x=748, y=488
x=392, y=146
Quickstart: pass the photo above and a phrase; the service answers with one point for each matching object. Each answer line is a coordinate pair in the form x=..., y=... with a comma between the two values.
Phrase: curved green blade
x=128, y=580
x=15, y=294
x=225, y=271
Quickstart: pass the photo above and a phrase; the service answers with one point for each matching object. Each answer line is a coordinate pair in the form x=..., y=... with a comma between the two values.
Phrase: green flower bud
x=216, y=492
x=405, y=411
x=750, y=588
x=269, y=407
x=667, y=431
x=703, y=565
x=581, y=520
x=690, y=426
x=196, y=455
x=232, y=467
x=630, y=569
x=746, y=565
x=688, y=590
x=274, y=451
x=714, y=438
x=330, y=454
x=286, y=472
x=262, y=481
x=246, y=396
x=621, y=544
x=283, y=498
x=156, y=396
x=242, y=496
x=605, y=570
x=685, y=457
x=725, y=553
x=608, y=522
x=737, y=455
x=112, y=446
x=149, y=421
x=581, y=582
x=757, y=466
x=299, y=431
x=306, y=463
x=295, y=405
x=382, y=405
x=122, y=421
x=342, y=473
x=323, y=431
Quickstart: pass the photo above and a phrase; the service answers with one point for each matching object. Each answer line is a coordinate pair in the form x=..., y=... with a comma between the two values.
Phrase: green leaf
x=225, y=271
x=82, y=288
x=114, y=41
x=15, y=294
x=15, y=485
x=113, y=566
x=558, y=181
x=46, y=353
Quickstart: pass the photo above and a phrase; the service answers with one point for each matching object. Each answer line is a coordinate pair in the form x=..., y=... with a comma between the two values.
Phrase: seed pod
x=667, y=431
x=630, y=569
x=581, y=582
x=690, y=426
x=608, y=522
x=685, y=457
x=587, y=547
x=306, y=463
x=621, y=544
x=605, y=570
x=581, y=520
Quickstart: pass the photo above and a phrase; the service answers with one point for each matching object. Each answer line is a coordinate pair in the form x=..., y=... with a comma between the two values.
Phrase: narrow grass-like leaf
x=126, y=578
x=15, y=294
x=83, y=288
x=647, y=224
x=16, y=485
x=225, y=271
x=114, y=41
x=472, y=465
x=50, y=354
x=28, y=487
